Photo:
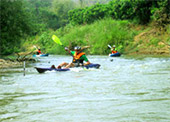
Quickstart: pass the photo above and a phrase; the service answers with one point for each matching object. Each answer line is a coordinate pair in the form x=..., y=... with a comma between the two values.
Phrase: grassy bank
x=151, y=40
x=128, y=38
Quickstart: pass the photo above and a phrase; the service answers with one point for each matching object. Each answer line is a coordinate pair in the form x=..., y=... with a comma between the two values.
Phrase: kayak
x=41, y=55
x=42, y=70
x=115, y=54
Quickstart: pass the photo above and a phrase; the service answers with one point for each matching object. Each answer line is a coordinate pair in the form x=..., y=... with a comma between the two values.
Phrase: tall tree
x=14, y=24
x=81, y=3
x=61, y=8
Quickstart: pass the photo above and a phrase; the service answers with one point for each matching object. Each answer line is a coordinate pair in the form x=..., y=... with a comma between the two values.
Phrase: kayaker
x=113, y=49
x=38, y=52
x=78, y=58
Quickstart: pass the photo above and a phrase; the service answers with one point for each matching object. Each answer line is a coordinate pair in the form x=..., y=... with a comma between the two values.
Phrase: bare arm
x=85, y=47
x=87, y=63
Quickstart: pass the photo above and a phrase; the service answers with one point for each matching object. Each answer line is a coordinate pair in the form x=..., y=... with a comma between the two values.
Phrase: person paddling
x=113, y=49
x=78, y=58
x=39, y=52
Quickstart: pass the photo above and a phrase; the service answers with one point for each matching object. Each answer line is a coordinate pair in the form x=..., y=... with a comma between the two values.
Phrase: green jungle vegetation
x=134, y=26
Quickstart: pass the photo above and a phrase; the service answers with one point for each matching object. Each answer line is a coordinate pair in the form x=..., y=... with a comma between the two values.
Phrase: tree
x=61, y=8
x=143, y=10
x=161, y=13
x=14, y=24
x=42, y=16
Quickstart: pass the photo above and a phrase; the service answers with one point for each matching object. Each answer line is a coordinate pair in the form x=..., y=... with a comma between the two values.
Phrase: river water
x=124, y=89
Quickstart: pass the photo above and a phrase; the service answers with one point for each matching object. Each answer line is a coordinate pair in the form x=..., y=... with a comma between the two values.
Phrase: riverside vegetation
x=135, y=27
x=129, y=38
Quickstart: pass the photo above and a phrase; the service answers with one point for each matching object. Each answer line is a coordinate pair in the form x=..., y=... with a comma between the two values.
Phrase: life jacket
x=114, y=51
x=76, y=57
x=39, y=51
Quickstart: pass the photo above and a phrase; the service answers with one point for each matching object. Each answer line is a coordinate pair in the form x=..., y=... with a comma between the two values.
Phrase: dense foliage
x=96, y=35
x=49, y=14
x=31, y=19
x=15, y=23
x=23, y=18
x=139, y=10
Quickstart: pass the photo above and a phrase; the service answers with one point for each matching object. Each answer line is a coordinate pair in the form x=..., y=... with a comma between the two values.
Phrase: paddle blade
x=56, y=39
x=35, y=47
x=109, y=46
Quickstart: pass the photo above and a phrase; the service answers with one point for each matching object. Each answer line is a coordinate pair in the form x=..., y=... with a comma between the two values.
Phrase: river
x=123, y=89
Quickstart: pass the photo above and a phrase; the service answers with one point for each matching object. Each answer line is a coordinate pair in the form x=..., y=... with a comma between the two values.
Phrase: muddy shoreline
x=8, y=63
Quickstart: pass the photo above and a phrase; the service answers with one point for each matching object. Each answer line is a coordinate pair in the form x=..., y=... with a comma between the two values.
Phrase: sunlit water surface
x=122, y=90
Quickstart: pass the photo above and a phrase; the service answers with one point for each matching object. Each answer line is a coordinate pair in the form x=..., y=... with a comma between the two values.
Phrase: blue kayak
x=115, y=54
x=41, y=55
x=42, y=70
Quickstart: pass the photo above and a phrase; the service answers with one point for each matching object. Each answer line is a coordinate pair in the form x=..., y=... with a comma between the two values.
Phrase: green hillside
x=138, y=26
x=128, y=37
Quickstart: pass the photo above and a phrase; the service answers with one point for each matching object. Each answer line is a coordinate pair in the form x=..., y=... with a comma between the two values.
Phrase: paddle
x=57, y=40
x=35, y=46
x=109, y=46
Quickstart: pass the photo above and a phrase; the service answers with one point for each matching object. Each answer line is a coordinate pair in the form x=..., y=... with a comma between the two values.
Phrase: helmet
x=114, y=46
x=77, y=48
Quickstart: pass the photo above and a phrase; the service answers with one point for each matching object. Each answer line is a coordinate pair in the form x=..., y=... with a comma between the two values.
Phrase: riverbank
x=15, y=61
x=8, y=63
x=150, y=41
